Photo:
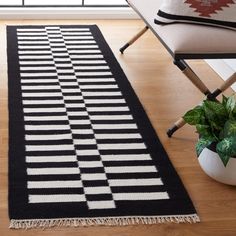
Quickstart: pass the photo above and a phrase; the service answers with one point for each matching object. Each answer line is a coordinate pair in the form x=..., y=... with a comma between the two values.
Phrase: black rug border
x=179, y=202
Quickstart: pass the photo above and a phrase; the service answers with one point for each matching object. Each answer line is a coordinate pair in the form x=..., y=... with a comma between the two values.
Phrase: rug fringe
x=107, y=221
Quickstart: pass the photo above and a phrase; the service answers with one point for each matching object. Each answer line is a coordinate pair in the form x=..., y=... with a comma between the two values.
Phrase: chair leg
x=177, y=125
x=190, y=74
x=230, y=81
x=137, y=36
x=211, y=96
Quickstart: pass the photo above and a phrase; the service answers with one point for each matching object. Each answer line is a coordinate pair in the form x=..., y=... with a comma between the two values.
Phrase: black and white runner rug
x=81, y=149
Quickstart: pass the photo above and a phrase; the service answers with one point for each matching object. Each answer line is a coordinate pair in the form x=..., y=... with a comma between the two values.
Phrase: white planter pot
x=212, y=165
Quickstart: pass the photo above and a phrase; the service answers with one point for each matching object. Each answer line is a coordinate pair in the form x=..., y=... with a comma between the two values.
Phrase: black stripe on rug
x=81, y=148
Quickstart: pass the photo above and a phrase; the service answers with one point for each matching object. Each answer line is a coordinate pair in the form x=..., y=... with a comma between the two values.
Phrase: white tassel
x=109, y=221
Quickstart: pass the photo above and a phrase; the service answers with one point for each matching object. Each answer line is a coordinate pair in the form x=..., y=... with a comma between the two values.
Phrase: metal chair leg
x=211, y=96
x=137, y=36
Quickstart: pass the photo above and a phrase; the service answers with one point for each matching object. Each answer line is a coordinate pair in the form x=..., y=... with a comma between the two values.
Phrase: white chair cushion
x=187, y=38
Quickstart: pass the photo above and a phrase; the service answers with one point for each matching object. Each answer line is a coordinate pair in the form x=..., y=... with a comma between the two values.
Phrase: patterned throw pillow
x=211, y=12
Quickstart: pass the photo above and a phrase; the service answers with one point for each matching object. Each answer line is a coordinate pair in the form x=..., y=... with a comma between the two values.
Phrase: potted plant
x=215, y=123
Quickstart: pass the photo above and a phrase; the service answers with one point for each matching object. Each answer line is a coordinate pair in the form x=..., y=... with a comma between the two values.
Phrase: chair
x=186, y=42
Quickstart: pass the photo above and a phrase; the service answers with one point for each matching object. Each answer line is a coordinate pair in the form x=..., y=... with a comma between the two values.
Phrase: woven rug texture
x=81, y=149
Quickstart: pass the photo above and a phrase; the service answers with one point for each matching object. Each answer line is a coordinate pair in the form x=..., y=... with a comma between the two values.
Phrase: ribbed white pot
x=212, y=165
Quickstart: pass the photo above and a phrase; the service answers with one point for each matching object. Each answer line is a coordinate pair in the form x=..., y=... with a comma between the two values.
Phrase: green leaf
x=221, y=135
x=202, y=143
x=233, y=115
x=231, y=103
x=203, y=130
x=224, y=158
x=226, y=149
x=216, y=115
x=224, y=100
x=194, y=116
x=230, y=128
x=216, y=126
x=214, y=110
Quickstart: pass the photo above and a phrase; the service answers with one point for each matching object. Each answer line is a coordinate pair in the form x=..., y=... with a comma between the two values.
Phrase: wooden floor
x=165, y=94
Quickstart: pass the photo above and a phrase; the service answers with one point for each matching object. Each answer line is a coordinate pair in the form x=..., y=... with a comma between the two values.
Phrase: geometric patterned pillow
x=211, y=12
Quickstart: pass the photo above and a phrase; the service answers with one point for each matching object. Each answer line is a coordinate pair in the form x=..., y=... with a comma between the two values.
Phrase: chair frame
x=180, y=61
